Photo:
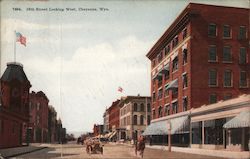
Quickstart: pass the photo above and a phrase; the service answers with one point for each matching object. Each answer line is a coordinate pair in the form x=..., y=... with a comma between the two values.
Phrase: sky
x=79, y=58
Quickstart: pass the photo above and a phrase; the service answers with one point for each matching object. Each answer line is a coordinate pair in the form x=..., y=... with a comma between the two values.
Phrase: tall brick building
x=14, y=108
x=202, y=58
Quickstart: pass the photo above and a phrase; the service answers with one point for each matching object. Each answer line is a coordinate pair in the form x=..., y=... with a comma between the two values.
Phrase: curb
x=22, y=153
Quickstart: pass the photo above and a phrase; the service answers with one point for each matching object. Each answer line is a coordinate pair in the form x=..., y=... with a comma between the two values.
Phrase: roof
x=178, y=23
x=14, y=71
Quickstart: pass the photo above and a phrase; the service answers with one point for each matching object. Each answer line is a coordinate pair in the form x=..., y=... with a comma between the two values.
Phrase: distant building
x=106, y=121
x=14, y=108
x=202, y=58
x=52, y=124
x=135, y=115
x=97, y=129
x=39, y=116
x=114, y=117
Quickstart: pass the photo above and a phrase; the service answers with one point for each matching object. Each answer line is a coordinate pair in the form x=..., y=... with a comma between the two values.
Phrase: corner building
x=202, y=58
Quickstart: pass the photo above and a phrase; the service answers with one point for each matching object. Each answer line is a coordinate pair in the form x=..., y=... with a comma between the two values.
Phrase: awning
x=173, y=85
x=179, y=125
x=157, y=76
x=113, y=134
x=240, y=121
x=165, y=68
x=108, y=135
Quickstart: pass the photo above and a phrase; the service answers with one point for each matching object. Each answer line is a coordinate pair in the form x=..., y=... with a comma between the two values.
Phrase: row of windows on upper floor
x=227, y=31
x=212, y=32
x=167, y=108
x=169, y=47
x=227, y=78
x=126, y=120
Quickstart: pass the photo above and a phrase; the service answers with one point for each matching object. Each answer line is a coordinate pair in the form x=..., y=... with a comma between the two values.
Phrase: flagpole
x=15, y=46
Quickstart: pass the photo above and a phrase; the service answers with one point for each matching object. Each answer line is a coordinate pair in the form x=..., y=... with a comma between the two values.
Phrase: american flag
x=20, y=38
x=120, y=89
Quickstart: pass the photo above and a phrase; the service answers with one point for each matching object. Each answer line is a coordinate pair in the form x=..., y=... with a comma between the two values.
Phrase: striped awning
x=179, y=125
x=240, y=121
x=173, y=85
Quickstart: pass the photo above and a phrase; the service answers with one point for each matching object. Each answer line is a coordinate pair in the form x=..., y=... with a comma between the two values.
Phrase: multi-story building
x=14, y=110
x=114, y=117
x=202, y=58
x=97, y=129
x=39, y=116
x=106, y=121
x=135, y=115
x=52, y=124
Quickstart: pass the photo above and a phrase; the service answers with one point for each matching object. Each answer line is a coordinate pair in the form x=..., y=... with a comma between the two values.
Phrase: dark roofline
x=186, y=12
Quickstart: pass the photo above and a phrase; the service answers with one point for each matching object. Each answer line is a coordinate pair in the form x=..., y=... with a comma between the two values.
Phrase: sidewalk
x=16, y=151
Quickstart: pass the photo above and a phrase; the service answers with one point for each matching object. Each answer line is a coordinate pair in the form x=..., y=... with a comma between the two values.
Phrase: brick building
x=97, y=129
x=39, y=116
x=202, y=58
x=114, y=119
x=14, y=109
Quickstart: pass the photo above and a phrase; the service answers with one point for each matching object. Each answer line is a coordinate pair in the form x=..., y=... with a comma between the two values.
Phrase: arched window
x=135, y=107
x=142, y=107
x=135, y=120
x=141, y=120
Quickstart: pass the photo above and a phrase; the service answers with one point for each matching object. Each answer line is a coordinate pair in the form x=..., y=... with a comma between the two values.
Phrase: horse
x=140, y=146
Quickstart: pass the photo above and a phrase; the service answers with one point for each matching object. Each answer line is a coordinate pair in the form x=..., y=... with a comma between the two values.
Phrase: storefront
x=224, y=125
x=158, y=131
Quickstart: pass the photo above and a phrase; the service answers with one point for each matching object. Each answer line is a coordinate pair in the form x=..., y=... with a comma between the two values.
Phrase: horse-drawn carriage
x=93, y=146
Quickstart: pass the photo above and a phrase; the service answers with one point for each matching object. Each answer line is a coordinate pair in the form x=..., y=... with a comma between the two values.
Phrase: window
x=185, y=80
x=160, y=57
x=214, y=131
x=242, y=33
x=227, y=55
x=37, y=120
x=212, y=77
x=212, y=98
x=212, y=56
x=212, y=30
x=166, y=91
x=135, y=107
x=148, y=119
x=243, y=56
x=175, y=107
x=160, y=94
x=228, y=78
x=175, y=41
x=135, y=120
x=175, y=64
x=38, y=106
x=142, y=107
x=227, y=96
x=167, y=109
x=141, y=120
x=226, y=31
x=160, y=111
x=196, y=132
x=243, y=79
x=148, y=107
x=167, y=49
x=154, y=97
x=184, y=33
x=184, y=54
x=185, y=103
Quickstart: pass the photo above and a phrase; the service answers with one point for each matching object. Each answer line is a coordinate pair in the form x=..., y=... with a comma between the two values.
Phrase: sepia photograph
x=113, y=79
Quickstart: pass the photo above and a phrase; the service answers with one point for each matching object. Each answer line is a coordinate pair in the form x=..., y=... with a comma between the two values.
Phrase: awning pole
x=169, y=136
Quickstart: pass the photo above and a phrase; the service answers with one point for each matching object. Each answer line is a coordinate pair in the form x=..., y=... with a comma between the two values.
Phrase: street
x=72, y=150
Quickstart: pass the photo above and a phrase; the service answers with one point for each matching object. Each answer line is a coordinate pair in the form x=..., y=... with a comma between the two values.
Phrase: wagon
x=93, y=146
